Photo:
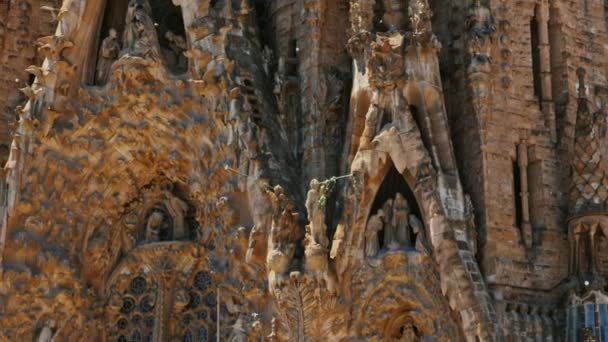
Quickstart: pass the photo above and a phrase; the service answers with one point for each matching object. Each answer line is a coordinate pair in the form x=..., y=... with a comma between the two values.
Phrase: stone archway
x=441, y=202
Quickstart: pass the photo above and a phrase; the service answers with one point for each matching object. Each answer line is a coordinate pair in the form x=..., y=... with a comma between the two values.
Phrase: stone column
x=522, y=161
x=542, y=18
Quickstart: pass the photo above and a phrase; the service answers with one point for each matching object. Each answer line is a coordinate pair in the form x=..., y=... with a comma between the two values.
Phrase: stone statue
x=282, y=240
x=153, y=226
x=374, y=226
x=140, y=37
x=389, y=231
x=409, y=333
x=394, y=16
x=420, y=234
x=316, y=213
x=238, y=333
x=401, y=211
x=178, y=45
x=108, y=53
x=48, y=333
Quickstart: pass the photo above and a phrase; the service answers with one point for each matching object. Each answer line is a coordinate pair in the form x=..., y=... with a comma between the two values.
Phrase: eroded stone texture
x=305, y=170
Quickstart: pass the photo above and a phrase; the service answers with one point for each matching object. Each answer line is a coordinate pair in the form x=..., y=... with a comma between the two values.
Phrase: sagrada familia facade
x=303, y=170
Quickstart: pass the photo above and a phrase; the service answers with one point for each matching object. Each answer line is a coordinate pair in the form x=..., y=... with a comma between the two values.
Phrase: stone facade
x=308, y=170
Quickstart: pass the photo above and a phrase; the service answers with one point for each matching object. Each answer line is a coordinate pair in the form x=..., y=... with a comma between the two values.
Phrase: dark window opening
x=379, y=9
x=517, y=194
x=536, y=72
x=168, y=20
x=535, y=188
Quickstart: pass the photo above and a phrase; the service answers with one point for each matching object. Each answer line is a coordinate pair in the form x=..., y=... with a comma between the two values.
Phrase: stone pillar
x=544, y=49
x=522, y=161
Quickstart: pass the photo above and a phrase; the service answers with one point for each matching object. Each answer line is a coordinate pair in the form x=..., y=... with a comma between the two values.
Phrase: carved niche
x=159, y=215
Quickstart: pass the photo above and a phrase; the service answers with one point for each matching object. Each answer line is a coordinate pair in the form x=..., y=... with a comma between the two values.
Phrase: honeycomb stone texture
x=303, y=170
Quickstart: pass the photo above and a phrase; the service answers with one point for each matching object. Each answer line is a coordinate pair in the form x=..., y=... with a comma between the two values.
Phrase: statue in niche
x=390, y=239
x=408, y=333
x=178, y=46
x=108, y=53
x=48, y=332
x=374, y=226
x=422, y=245
x=394, y=15
x=401, y=211
x=238, y=333
x=140, y=37
x=154, y=225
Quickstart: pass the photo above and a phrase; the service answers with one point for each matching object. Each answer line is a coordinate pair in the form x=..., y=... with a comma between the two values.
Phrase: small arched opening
x=394, y=216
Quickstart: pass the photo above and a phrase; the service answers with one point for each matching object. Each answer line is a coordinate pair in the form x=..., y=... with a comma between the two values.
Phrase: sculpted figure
x=107, y=54
x=153, y=226
x=178, y=45
x=394, y=15
x=390, y=240
x=401, y=211
x=238, y=333
x=140, y=37
x=374, y=226
x=283, y=234
x=316, y=213
x=409, y=333
x=47, y=333
x=421, y=243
